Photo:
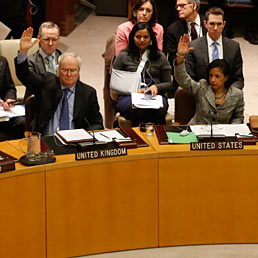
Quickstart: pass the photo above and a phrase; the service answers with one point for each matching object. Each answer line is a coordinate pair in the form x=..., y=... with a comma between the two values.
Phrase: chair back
x=9, y=49
x=184, y=106
x=30, y=107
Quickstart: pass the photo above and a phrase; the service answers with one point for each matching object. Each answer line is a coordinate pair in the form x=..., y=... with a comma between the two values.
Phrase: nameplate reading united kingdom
x=219, y=145
x=95, y=154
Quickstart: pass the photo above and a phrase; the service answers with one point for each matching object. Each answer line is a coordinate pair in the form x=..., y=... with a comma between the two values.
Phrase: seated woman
x=142, y=11
x=216, y=100
x=156, y=74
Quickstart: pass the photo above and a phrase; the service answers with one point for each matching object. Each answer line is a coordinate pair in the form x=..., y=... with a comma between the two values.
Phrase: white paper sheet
x=18, y=110
x=108, y=136
x=229, y=130
x=140, y=100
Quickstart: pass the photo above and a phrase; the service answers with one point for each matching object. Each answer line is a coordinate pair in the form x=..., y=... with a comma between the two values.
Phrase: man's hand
x=26, y=41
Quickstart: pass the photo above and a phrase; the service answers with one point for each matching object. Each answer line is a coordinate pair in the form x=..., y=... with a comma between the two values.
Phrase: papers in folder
x=229, y=130
x=73, y=136
x=140, y=100
x=14, y=111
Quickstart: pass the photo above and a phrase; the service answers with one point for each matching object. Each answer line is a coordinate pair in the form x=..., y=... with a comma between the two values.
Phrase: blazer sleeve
x=237, y=70
x=7, y=85
x=238, y=115
x=121, y=41
x=31, y=80
x=186, y=82
x=159, y=37
x=95, y=117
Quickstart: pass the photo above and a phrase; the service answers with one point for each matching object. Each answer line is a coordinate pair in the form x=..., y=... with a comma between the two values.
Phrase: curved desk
x=72, y=208
x=207, y=197
x=163, y=195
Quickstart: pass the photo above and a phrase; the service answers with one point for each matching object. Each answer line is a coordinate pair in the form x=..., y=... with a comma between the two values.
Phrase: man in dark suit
x=15, y=127
x=63, y=102
x=202, y=54
x=189, y=21
x=45, y=59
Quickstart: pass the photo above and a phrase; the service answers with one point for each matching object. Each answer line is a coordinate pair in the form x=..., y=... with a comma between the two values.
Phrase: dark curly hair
x=133, y=49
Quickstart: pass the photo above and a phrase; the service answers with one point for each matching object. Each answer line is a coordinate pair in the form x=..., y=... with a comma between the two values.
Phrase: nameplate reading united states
x=230, y=145
x=95, y=154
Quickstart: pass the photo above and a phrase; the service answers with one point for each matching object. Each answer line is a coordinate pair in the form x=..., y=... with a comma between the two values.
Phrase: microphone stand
x=94, y=142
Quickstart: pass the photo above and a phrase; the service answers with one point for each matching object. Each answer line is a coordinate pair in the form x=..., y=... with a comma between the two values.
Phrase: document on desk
x=18, y=110
x=140, y=100
x=4, y=31
x=229, y=130
x=73, y=136
x=111, y=135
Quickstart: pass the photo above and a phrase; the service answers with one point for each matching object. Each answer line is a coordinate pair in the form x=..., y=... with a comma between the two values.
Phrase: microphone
x=94, y=141
x=212, y=115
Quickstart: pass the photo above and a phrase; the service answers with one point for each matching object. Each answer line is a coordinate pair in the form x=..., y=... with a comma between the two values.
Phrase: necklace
x=221, y=96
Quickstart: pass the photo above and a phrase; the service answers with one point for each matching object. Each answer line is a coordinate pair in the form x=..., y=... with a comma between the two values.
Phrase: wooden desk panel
x=22, y=216
x=207, y=197
x=108, y=205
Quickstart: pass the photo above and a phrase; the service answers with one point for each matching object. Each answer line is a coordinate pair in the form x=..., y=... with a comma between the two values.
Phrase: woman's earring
x=134, y=14
x=150, y=42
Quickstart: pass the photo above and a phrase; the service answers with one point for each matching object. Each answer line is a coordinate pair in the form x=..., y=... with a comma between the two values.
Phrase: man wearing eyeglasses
x=213, y=46
x=45, y=59
x=190, y=22
x=63, y=102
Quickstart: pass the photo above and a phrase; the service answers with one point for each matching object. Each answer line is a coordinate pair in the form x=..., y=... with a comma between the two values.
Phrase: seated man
x=45, y=59
x=63, y=102
x=14, y=128
x=204, y=51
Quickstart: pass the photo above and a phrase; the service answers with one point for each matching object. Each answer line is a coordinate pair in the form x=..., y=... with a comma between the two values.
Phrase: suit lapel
x=79, y=101
x=204, y=49
x=40, y=63
x=209, y=95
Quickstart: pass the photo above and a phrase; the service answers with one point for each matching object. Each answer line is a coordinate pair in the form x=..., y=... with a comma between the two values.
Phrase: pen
x=14, y=103
x=104, y=135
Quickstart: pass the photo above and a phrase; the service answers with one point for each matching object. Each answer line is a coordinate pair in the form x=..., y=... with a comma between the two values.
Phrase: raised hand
x=26, y=41
x=182, y=47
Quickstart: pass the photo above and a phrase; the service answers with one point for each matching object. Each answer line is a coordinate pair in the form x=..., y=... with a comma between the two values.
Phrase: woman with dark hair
x=156, y=74
x=215, y=98
x=142, y=11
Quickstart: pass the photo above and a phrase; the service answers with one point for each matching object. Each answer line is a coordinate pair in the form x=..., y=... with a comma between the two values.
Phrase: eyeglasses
x=182, y=6
x=72, y=71
x=54, y=40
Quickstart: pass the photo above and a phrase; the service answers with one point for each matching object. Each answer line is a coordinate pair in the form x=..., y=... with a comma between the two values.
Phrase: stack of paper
x=73, y=136
x=140, y=100
x=14, y=111
x=229, y=130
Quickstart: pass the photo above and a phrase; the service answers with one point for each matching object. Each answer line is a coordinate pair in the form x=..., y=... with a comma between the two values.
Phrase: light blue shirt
x=53, y=124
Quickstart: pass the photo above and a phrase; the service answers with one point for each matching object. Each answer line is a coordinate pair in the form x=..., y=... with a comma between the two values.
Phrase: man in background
x=190, y=22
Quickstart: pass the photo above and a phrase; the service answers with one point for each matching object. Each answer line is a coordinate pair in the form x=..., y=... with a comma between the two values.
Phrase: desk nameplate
x=217, y=145
x=106, y=153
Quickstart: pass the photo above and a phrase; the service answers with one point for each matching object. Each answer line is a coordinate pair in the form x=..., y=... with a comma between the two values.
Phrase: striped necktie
x=50, y=64
x=193, y=31
x=64, y=116
x=215, y=52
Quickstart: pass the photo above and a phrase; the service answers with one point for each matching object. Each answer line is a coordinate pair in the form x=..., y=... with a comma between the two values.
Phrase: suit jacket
x=174, y=32
x=47, y=89
x=197, y=60
x=37, y=65
x=231, y=111
x=7, y=87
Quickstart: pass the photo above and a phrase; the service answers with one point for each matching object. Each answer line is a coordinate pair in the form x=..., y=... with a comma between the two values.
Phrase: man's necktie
x=193, y=31
x=215, y=52
x=50, y=64
x=64, y=116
